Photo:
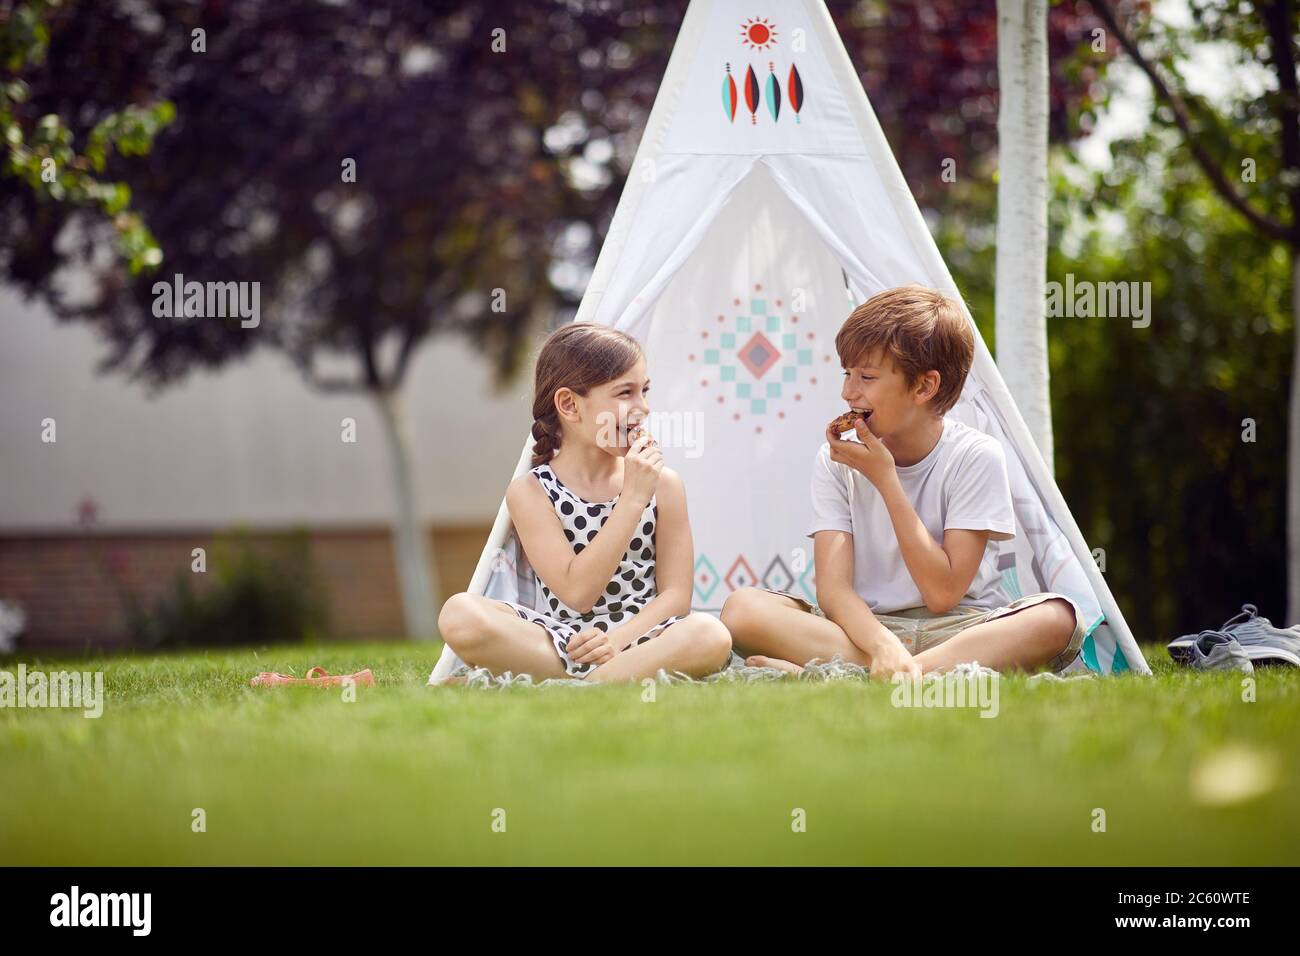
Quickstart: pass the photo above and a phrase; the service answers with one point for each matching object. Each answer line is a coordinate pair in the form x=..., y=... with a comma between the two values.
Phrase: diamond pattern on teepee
x=706, y=578
x=777, y=576
x=740, y=574
x=758, y=354
x=746, y=348
x=809, y=586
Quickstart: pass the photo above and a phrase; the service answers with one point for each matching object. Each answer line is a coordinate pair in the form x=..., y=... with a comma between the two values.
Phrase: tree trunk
x=1293, y=457
x=1020, y=296
x=415, y=575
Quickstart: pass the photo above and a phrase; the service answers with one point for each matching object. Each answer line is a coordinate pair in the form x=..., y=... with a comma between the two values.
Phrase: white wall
x=247, y=444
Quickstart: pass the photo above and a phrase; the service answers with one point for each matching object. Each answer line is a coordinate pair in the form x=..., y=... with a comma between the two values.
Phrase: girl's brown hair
x=578, y=356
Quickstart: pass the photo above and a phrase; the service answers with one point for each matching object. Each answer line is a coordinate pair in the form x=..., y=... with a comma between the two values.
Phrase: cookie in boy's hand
x=845, y=423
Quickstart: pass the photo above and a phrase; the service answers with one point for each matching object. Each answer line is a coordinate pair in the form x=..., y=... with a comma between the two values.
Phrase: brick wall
x=64, y=582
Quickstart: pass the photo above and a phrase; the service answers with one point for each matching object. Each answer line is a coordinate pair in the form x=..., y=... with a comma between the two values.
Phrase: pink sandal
x=316, y=677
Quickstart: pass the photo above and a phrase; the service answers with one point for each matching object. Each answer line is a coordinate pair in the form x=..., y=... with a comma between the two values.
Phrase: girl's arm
x=576, y=579
x=674, y=563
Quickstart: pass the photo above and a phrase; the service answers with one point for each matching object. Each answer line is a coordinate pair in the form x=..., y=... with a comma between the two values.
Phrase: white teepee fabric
x=746, y=231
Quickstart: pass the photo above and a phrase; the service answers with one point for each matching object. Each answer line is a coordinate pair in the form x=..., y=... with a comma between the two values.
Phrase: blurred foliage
x=252, y=593
x=1149, y=422
x=38, y=151
x=1199, y=526
x=1250, y=132
x=1154, y=464
x=930, y=69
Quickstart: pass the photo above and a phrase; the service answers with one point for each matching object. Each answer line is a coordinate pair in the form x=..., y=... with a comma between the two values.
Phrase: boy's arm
x=832, y=534
x=943, y=573
x=842, y=605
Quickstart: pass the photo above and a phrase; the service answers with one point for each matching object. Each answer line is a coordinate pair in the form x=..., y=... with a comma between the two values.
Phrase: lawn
x=1184, y=770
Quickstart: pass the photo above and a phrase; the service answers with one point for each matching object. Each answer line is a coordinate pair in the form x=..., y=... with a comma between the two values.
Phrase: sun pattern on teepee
x=758, y=359
x=760, y=35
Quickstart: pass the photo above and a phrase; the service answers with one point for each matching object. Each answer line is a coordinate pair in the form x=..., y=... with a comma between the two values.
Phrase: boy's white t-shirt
x=962, y=483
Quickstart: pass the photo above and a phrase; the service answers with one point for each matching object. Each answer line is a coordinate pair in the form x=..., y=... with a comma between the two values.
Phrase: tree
x=1261, y=143
x=1022, y=213
x=931, y=71
x=40, y=158
x=383, y=174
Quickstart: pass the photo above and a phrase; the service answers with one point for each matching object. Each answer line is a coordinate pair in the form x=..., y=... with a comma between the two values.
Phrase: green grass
x=704, y=774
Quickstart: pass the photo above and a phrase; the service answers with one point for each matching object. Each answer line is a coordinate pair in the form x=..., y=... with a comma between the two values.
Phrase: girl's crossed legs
x=489, y=633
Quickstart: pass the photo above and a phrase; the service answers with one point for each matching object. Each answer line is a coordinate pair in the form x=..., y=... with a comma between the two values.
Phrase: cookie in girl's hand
x=635, y=432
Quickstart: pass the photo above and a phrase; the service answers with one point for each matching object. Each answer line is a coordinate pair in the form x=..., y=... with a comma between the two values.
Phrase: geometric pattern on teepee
x=777, y=576
x=1010, y=580
x=757, y=360
x=740, y=574
x=706, y=578
x=808, y=582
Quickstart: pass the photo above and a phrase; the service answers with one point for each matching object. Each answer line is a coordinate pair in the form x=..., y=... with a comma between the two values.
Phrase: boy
x=904, y=520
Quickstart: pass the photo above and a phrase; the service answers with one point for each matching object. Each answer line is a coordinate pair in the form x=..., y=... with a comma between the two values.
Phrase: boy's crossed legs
x=781, y=630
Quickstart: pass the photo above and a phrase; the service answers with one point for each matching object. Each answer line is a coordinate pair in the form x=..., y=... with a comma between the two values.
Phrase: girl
x=604, y=525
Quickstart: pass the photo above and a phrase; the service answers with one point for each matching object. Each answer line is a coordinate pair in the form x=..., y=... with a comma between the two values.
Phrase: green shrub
x=257, y=593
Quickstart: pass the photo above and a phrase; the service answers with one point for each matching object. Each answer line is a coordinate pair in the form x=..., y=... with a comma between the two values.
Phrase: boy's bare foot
x=758, y=660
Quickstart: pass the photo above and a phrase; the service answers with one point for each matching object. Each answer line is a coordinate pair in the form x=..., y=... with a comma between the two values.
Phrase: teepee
x=763, y=203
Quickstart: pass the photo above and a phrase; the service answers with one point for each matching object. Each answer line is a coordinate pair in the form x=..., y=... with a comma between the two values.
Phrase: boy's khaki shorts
x=920, y=629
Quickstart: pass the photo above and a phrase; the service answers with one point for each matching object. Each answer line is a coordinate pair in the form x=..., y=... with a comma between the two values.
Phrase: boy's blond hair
x=920, y=331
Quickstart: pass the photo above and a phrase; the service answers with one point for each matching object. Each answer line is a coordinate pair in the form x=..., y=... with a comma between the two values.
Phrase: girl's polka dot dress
x=628, y=591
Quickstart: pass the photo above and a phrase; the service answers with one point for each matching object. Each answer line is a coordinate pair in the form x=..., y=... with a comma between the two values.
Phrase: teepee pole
x=496, y=540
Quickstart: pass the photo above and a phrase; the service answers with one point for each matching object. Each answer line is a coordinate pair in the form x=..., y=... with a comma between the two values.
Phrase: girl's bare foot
x=758, y=660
